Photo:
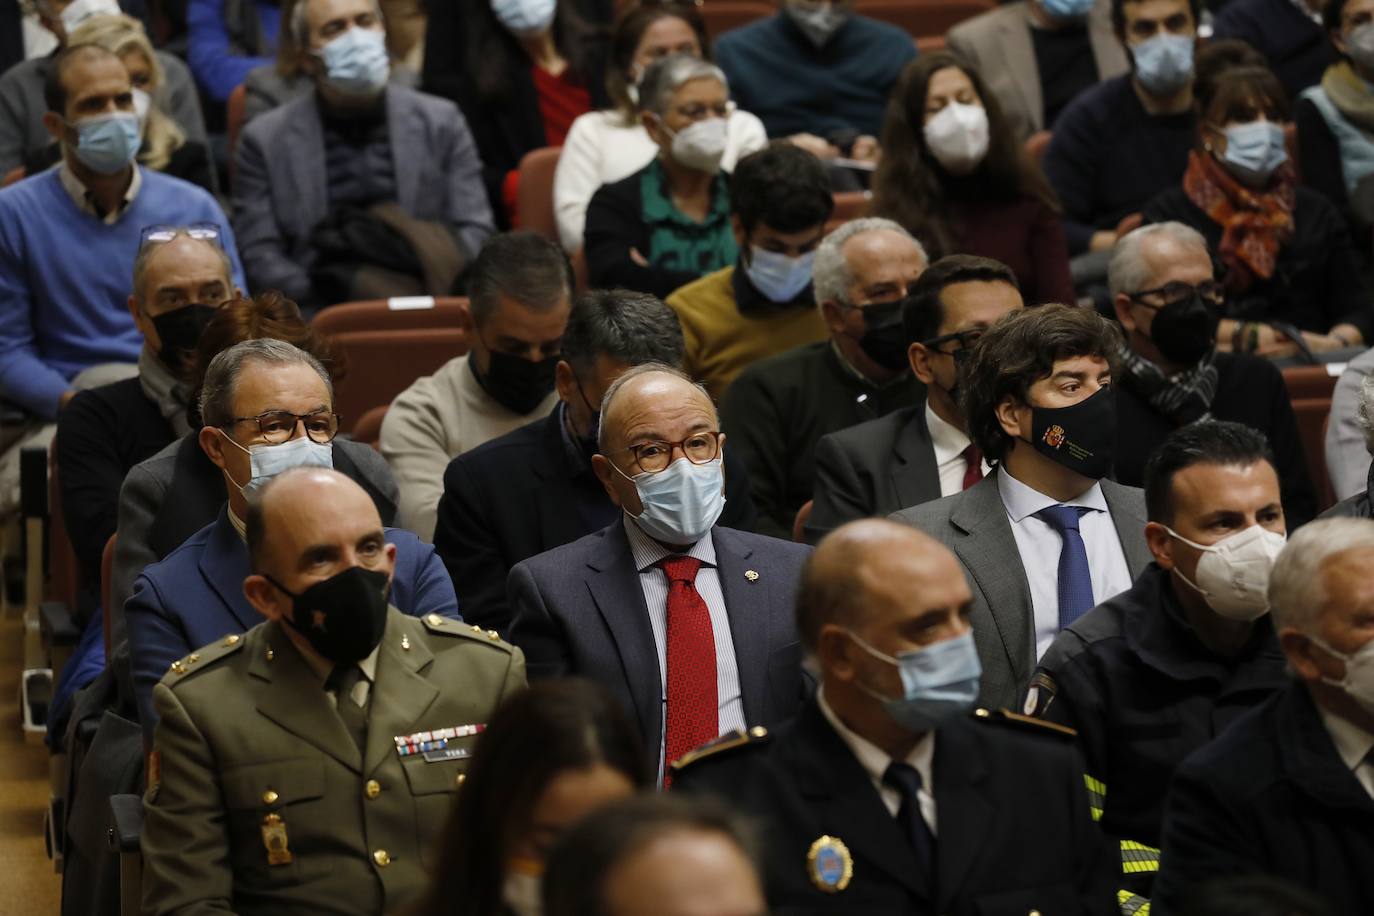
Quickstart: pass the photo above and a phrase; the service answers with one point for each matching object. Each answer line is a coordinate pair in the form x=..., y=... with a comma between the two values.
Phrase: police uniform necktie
x=693, y=706
x=341, y=681
x=1075, y=579
x=906, y=779
x=973, y=465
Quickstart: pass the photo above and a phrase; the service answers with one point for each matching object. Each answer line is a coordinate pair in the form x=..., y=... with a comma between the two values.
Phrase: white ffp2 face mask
x=1233, y=574
x=958, y=137
x=701, y=145
x=1359, y=672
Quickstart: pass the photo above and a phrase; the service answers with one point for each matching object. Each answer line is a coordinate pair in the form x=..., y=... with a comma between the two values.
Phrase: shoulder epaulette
x=1007, y=717
x=202, y=658
x=730, y=741
x=447, y=626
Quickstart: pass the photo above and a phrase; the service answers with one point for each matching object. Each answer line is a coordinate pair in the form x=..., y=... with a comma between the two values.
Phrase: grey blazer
x=281, y=188
x=872, y=470
x=975, y=526
x=998, y=44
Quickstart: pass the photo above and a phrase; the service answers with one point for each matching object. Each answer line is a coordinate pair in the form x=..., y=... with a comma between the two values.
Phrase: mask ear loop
x=1178, y=572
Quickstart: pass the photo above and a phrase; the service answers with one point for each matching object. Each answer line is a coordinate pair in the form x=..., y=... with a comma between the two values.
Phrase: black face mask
x=1185, y=330
x=884, y=340
x=180, y=330
x=518, y=384
x=342, y=617
x=1081, y=437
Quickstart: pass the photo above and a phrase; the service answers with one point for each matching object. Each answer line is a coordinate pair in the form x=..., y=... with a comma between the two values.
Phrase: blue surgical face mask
x=1254, y=151
x=267, y=461
x=681, y=502
x=939, y=681
x=524, y=18
x=107, y=143
x=1164, y=63
x=1068, y=9
x=356, y=63
x=777, y=276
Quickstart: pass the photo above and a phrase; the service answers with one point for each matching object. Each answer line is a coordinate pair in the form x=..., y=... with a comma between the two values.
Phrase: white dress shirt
x=323, y=668
x=1039, y=545
x=85, y=201
x=654, y=582
x=1354, y=746
x=875, y=762
x=949, y=443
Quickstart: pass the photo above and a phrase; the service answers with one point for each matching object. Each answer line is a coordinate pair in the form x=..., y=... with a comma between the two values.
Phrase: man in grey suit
x=689, y=624
x=1037, y=55
x=355, y=141
x=1045, y=537
x=919, y=453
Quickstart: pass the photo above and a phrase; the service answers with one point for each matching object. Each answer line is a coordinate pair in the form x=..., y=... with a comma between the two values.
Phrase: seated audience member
x=1288, y=33
x=1287, y=254
x=550, y=756
x=1153, y=674
x=1175, y=368
x=164, y=147
x=23, y=133
x=763, y=304
x=274, y=749
x=521, y=72
x=224, y=41
x=178, y=282
x=923, y=452
x=1357, y=505
x=615, y=605
x=361, y=189
x=817, y=73
x=534, y=489
x=1036, y=56
x=1288, y=790
x=778, y=409
x=1350, y=432
x=884, y=792
x=1046, y=537
x=656, y=856
x=1125, y=140
x=954, y=175
x=177, y=492
x=669, y=223
x=605, y=146
x=521, y=288
x=194, y=596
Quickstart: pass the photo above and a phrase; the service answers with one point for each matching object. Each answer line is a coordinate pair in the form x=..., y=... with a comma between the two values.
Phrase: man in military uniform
x=883, y=796
x=1153, y=674
x=308, y=764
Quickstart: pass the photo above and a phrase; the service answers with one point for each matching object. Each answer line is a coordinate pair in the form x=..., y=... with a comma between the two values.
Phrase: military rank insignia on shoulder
x=447, y=626
x=1025, y=723
x=727, y=742
x=204, y=657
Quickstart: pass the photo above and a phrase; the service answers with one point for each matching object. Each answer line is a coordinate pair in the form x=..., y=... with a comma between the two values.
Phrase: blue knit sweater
x=65, y=279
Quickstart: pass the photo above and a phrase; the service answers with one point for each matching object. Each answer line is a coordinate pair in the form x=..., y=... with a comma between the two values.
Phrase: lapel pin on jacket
x=751, y=575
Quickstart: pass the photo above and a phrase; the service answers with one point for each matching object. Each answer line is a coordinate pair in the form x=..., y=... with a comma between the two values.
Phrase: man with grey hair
x=687, y=622
x=778, y=409
x=533, y=489
x=356, y=155
x=1288, y=791
x=1179, y=365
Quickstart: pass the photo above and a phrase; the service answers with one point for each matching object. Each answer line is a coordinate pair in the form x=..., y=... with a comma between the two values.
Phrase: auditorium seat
x=923, y=18
x=1037, y=143
x=1312, y=415
x=534, y=199
x=849, y=205
x=720, y=16
x=13, y=175
x=799, y=523
x=1307, y=382
x=368, y=429
x=235, y=113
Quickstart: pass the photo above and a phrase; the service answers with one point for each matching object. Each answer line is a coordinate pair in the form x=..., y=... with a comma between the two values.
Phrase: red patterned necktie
x=692, y=702
x=973, y=466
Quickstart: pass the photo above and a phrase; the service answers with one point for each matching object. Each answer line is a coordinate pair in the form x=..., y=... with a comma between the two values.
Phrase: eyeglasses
x=165, y=232
x=699, y=111
x=1210, y=291
x=654, y=456
x=966, y=341
x=277, y=426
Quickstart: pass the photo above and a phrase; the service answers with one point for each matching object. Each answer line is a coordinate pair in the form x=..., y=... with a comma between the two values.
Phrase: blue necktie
x=1075, y=580
x=906, y=779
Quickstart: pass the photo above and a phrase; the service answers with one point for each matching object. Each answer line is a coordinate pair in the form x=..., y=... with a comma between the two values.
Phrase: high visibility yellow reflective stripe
x=1132, y=904
x=1137, y=858
x=1097, y=795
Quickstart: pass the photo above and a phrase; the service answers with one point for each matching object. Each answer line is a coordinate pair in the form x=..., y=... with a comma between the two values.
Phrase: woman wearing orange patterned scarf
x=1285, y=254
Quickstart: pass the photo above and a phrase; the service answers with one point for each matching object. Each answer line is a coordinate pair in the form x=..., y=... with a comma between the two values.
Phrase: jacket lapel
x=1014, y=38
x=293, y=697
x=559, y=518
x=1107, y=51
x=1130, y=527
x=747, y=605
x=1310, y=760
x=224, y=564
x=915, y=475
x=310, y=193
x=400, y=693
x=965, y=815
x=405, y=137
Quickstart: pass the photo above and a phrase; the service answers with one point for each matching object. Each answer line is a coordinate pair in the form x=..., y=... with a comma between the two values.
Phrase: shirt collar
x=85, y=202
x=657, y=201
x=647, y=551
x=948, y=440
x=1353, y=743
x=874, y=759
x=238, y=523
x=848, y=368
x=1022, y=501
x=323, y=667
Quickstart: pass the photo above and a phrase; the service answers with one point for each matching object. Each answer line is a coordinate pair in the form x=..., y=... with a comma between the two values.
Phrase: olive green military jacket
x=259, y=800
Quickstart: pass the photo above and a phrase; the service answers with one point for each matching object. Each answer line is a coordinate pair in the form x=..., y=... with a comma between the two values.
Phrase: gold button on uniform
x=382, y=858
x=434, y=620
x=269, y=797
x=458, y=780
x=374, y=788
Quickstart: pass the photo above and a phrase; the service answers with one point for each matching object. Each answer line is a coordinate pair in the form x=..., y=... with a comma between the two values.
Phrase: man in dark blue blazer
x=689, y=624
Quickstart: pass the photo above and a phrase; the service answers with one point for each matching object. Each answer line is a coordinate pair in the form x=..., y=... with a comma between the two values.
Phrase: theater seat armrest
x=126, y=822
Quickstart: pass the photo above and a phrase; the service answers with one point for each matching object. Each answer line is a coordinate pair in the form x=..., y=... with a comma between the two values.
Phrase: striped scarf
x=1184, y=397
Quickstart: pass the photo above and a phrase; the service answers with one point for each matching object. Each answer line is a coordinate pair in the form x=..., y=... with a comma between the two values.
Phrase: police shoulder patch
x=730, y=741
x=1030, y=723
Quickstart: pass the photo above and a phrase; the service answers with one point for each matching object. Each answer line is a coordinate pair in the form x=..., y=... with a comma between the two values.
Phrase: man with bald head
x=884, y=795
x=688, y=623
x=288, y=774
